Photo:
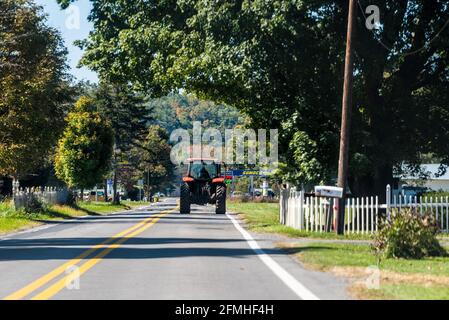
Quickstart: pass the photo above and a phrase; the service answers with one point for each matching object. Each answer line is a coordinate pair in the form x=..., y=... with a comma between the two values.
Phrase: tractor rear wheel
x=220, y=204
x=185, y=199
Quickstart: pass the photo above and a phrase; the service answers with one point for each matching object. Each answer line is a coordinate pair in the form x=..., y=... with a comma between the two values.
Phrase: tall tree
x=281, y=62
x=154, y=159
x=34, y=87
x=129, y=115
x=85, y=149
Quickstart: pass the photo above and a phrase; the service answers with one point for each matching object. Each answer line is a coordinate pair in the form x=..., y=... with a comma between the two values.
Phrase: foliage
x=281, y=63
x=34, y=87
x=177, y=111
x=153, y=159
x=408, y=234
x=437, y=194
x=307, y=154
x=33, y=205
x=127, y=112
x=129, y=117
x=85, y=150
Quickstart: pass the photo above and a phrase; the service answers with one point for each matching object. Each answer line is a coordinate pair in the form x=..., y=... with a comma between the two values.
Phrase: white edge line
x=297, y=287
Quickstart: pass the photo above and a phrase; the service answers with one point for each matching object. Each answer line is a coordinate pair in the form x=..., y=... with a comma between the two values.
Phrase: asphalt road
x=155, y=253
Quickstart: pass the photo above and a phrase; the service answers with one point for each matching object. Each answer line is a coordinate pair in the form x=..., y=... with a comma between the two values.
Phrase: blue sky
x=71, y=28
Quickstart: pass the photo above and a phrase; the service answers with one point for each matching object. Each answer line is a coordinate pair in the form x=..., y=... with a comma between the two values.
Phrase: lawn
x=95, y=208
x=11, y=220
x=264, y=218
x=400, y=278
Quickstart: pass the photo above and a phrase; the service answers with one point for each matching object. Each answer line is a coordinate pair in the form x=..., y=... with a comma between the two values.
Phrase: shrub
x=436, y=194
x=408, y=234
x=246, y=199
x=33, y=205
x=6, y=208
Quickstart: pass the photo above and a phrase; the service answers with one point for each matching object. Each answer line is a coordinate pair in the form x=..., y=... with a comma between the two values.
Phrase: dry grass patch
x=399, y=278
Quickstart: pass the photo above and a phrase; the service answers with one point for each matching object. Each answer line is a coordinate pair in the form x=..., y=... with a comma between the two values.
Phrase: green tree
x=129, y=115
x=85, y=149
x=154, y=160
x=178, y=111
x=34, y=86
x=281, y=62
x=127, y=111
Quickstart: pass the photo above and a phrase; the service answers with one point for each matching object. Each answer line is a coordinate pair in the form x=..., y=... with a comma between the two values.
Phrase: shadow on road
x=63, y=249
x=29, y=249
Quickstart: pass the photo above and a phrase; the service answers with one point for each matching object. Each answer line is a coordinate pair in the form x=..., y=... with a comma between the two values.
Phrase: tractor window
x=203, y=171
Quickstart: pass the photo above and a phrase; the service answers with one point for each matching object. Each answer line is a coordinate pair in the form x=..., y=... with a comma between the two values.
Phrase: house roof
x=431, y=169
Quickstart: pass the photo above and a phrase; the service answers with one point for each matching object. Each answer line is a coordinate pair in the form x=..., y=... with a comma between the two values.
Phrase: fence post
x=301, y=210
x=388, y=194
x=281, y=206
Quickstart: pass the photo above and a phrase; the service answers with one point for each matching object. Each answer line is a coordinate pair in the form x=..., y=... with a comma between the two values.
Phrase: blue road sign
x=249, y=173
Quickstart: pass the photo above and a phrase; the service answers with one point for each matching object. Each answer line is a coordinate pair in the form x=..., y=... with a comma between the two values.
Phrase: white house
x=434, y=181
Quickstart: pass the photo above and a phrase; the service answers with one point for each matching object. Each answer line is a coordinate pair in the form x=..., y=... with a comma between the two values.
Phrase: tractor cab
x=204, y=170
x=203, y=184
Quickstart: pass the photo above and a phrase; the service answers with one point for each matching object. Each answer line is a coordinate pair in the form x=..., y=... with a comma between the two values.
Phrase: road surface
x=155, y=253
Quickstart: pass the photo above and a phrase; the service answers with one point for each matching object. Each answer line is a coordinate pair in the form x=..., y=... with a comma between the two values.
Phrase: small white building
x=434, y=182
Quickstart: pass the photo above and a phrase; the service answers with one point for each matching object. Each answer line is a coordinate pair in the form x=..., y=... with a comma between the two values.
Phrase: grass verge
x=264, y=218
x=399, y=278
x=13, y=221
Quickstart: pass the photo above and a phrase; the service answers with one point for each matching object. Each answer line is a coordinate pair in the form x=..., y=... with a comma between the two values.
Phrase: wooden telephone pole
x=346, y=119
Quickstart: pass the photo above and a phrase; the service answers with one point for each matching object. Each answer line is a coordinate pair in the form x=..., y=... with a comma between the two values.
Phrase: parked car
x=410, y=191
x=237, y=194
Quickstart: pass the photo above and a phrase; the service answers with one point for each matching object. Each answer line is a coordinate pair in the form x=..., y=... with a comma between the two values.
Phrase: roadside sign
x=249, y=173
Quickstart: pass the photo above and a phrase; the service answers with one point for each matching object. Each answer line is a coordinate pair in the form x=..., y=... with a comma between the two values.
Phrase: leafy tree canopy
x=127, y=111
x=281, y=62
x=177, y=111
x=154, y=159
x=85, y=149
x=34, y=87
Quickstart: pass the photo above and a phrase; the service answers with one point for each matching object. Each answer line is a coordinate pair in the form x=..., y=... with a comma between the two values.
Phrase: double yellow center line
x=109, y=245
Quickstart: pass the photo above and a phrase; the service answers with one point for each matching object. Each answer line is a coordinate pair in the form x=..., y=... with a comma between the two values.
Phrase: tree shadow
x=300, y=249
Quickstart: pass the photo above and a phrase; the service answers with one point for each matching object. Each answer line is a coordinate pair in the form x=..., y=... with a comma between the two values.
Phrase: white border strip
x=298, y=288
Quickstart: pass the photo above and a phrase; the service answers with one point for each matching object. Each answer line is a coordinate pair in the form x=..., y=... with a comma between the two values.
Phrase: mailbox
x=330, y=192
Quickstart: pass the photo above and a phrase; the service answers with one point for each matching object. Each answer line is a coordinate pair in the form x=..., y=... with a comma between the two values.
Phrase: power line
x=407, y=53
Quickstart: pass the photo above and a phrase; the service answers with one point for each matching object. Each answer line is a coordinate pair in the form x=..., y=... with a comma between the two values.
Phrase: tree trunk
x=115, y=196
x=374, y=184
x=106, y=191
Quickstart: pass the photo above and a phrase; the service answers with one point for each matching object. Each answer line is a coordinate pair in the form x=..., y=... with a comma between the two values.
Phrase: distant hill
x=178, y=111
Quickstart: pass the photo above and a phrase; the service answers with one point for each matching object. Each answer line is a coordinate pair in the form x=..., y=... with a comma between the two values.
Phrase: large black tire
x=185, y=199
x=220, y=204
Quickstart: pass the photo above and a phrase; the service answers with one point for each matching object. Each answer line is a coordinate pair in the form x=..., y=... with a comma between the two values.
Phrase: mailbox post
x=333, y=193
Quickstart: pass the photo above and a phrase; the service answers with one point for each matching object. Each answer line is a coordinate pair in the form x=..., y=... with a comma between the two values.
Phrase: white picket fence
x=438, y=206
x=22, y=197
x=362, y=216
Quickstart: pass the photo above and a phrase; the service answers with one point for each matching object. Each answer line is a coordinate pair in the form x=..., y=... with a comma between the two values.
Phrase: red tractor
x=203, y=184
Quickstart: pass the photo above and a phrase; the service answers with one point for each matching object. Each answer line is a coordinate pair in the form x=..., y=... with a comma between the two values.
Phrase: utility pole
x=115, y=196
x=343, y=162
